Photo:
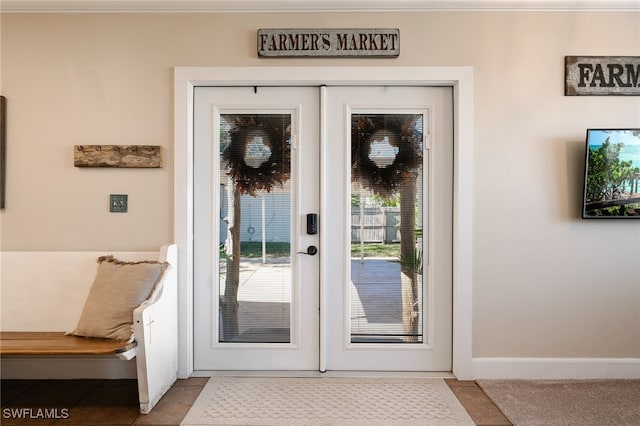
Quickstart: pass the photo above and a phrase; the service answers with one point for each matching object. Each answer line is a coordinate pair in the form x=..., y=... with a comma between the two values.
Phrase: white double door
x=323, y=228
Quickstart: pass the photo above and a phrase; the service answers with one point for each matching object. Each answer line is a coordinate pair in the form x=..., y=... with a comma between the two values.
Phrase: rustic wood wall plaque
x=123, y=156
x=602, y=75
x=326, y=42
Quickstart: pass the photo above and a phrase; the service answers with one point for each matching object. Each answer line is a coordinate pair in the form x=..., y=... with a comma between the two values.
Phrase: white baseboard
x=556, y=368
x=71, y=367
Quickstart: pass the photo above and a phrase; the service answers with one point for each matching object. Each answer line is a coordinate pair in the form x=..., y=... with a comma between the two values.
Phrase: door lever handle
x=311, y=251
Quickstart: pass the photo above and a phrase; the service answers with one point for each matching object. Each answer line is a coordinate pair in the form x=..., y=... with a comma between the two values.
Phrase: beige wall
x=545, y=282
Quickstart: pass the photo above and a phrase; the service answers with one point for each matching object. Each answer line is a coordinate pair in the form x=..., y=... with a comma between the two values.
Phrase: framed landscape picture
x=3, y=149
x=612, y=174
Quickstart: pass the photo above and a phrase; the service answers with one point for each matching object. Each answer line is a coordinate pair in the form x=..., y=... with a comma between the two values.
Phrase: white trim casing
x=556, y=368
x=282, y=6
x=183, y=217
x=324, y=194
x=460, y=78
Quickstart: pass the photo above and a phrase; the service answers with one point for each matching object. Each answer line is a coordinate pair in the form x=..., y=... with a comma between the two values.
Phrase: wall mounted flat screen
x=612, y=174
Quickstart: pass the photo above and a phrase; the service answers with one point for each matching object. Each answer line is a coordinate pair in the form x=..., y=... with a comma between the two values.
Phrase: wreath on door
x=275, y=170
x=384, y=181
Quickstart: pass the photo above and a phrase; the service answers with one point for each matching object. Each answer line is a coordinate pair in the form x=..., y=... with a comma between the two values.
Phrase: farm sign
x=319, y=43
x=602, y=75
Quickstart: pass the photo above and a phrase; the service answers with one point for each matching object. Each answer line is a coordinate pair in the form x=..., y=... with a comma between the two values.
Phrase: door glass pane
x=255, y=228
x=386, y=287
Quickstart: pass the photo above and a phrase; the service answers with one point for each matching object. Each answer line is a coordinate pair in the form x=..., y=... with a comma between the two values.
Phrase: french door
x=256, y=176
x=323, y=228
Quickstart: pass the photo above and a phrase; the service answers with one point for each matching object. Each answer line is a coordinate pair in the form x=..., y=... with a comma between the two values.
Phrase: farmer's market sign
x=602, y=75
x=361, y=42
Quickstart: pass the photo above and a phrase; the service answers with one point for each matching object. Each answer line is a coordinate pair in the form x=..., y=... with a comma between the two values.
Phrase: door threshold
x=327, y=374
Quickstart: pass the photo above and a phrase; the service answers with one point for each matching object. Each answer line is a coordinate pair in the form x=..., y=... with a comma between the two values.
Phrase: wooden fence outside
x=375, y=225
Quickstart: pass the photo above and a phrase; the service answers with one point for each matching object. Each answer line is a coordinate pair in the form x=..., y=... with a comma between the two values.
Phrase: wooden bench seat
x=43, y=293
x=57, y=343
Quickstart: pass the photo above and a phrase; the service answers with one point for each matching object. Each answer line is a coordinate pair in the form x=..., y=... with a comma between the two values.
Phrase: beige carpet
x=326, y=401
x=566, y=402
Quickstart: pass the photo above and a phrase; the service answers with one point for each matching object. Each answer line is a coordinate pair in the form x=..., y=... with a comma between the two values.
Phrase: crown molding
x=265, y=6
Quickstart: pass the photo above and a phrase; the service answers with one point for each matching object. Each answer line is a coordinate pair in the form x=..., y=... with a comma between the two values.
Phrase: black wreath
x=276, y=169
x=385, y=181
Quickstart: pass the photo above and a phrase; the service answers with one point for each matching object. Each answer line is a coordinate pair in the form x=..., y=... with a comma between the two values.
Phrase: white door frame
x=460, y=78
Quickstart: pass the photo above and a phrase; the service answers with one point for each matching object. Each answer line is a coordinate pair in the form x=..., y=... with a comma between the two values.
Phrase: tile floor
x=114, y=402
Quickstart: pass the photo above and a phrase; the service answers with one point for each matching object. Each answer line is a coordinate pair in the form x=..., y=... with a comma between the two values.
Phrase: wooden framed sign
x=329, y=42
x=602, y=75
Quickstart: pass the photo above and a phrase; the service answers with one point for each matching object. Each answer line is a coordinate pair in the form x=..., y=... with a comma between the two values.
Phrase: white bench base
x=62, y=367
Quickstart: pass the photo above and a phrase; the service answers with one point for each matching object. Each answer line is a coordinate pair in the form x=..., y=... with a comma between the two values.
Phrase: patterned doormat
x=326, y=401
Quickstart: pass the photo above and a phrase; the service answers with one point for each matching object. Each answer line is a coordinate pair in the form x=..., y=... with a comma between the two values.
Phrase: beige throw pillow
x=119, y=287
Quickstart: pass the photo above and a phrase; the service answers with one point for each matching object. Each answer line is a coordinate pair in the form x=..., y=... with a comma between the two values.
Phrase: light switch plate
x=118, y=203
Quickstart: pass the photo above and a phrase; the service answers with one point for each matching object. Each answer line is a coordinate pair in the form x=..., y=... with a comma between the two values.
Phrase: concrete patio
x=264, y=298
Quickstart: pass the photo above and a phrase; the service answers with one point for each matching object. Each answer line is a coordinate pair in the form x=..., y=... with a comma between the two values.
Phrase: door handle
x=311, y=251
